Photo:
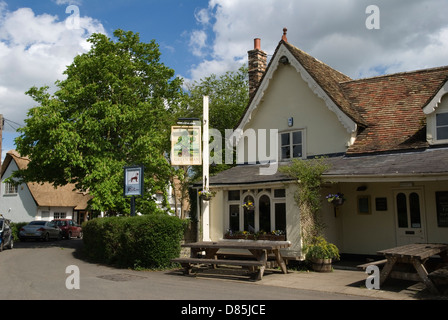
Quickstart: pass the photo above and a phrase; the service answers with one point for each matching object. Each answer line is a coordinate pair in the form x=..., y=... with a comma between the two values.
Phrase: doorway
x=409, y=216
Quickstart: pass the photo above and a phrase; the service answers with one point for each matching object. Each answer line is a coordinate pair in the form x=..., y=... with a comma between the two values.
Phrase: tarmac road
x=38, y=271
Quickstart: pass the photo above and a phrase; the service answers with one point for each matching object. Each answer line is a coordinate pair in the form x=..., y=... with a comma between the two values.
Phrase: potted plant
x=206, y=195
x=321, y=253
x=336, y=199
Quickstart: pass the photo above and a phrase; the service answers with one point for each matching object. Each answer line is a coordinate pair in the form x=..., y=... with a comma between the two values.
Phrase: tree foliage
x=229, y=97
x=115, y=108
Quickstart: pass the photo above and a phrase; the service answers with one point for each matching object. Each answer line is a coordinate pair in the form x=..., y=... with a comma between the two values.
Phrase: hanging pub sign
x=133, y=181
x=186, y=146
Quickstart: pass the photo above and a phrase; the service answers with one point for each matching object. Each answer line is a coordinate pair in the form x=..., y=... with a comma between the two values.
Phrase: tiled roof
x=393, y=165
x=387, y=109
x=328, y=79
x=392, y=106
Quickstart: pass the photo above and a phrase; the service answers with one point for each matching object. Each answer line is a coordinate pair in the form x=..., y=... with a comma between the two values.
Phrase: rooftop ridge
x=433, y=69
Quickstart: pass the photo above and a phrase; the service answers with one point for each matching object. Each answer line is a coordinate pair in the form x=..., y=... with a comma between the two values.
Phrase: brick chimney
x=257, y=66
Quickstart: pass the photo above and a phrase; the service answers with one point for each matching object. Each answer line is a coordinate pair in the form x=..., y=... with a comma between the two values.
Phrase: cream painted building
x=386, y=139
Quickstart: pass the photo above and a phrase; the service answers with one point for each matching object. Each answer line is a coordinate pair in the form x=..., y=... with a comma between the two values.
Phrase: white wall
x=289, y=96
x=20, y=207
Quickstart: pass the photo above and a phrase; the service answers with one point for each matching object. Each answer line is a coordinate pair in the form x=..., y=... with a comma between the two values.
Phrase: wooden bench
x=259, y=252
x=373, y=263
x=440, y=276
x=188, y=262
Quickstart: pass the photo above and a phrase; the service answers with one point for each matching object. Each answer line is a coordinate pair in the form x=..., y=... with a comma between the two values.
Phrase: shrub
x=321, y=249
x=148, y=241
x=15, y=227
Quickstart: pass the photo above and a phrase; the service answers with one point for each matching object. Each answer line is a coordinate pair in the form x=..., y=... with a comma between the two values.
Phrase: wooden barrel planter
x=322, y=265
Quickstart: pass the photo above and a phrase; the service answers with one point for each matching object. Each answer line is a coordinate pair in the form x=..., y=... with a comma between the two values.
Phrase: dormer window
x=442, y=126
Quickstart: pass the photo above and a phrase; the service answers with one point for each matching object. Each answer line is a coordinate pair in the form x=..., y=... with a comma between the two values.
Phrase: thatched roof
x=45, y=195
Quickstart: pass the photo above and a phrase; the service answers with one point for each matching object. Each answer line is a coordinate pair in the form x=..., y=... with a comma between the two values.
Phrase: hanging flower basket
x=336, y=199
x=206, y=195
x=249, y=205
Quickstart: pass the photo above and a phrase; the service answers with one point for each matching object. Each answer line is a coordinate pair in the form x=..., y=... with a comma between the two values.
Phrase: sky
x=38, y=39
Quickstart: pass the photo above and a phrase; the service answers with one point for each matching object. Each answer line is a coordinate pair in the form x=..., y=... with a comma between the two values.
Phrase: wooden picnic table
x=416, y=255
x=259, y=249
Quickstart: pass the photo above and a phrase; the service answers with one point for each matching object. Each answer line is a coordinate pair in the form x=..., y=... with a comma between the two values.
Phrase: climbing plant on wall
x=308, y=175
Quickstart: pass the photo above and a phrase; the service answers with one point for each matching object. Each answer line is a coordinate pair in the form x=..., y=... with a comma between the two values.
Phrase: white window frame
x=60, y=215
x=256, y=196
x=437, y=127
x=291, y=145
x=10, y=189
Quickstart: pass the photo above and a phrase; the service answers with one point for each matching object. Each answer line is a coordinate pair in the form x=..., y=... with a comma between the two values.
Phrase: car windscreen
x=1, y=224
x=39, y=223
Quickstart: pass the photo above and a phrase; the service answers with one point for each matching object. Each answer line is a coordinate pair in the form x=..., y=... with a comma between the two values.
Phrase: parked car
x=40, y=230
x=6, y=238
x=69, y=228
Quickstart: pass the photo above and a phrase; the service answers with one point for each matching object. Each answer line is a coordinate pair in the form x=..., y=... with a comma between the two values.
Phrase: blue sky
x=201, y=37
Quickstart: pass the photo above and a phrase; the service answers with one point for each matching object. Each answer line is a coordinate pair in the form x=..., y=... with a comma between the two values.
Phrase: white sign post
x=205, y=173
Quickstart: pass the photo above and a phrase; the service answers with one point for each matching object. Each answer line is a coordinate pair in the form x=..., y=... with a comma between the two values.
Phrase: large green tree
x=115, y=108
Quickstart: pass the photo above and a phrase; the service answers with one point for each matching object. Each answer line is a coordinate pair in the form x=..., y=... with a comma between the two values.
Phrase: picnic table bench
x=259, y=250
x=415, y=255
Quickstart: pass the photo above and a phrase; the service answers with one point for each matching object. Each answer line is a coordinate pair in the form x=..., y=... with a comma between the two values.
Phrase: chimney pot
x=284, y=38
x=257, y=44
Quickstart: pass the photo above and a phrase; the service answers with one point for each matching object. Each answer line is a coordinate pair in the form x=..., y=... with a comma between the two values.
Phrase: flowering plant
x=278, y=232
x=206, y=194
x=335, y=197
x=249, y=205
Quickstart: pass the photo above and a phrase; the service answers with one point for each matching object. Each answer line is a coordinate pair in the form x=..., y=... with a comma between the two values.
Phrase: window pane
x=402, y=211
x=249, y=216
x=234, y=195
x=286, y=152
x=234, y=219
x=442, y=119
x=297, y=151
x=285, y=139
x=442, y=133
x=280, y=216
x=279, y=193
x=265, y=213
x=297, y=137
x=414, y=206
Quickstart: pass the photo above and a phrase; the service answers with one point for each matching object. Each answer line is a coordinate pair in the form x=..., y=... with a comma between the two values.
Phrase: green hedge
x=148, y=241
x=15, y=227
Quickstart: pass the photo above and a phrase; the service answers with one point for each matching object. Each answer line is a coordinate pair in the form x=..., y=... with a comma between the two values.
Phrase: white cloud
x=413, y=34
x=68, y=2
x=34, y=51
x=198, y=42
